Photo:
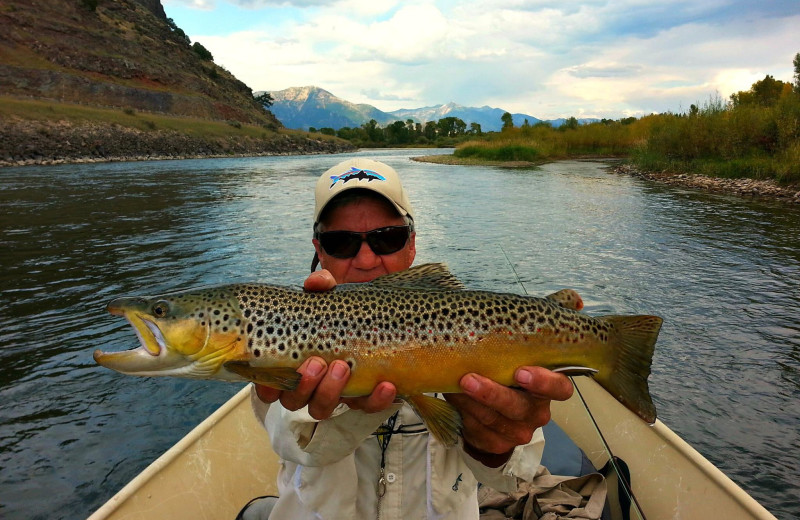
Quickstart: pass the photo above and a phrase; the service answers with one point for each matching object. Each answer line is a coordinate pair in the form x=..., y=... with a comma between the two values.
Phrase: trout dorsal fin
x=426, y=276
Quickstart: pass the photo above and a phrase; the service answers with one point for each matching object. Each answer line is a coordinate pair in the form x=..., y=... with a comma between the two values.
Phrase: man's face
x=360, y=216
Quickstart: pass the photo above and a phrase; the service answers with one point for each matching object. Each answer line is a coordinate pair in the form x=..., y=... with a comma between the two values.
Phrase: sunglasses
x=382, y=241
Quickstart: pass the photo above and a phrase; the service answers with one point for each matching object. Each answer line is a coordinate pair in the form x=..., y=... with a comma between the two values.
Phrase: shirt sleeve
x=299, y=438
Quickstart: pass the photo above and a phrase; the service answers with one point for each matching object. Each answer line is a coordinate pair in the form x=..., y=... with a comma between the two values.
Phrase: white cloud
x=547, y=59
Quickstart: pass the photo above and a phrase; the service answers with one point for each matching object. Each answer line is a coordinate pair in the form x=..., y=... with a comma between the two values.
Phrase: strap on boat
x=615, y=465
x=624, y=487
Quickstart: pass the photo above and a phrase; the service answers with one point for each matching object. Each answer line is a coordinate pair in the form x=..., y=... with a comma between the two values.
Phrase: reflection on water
x=723, y=272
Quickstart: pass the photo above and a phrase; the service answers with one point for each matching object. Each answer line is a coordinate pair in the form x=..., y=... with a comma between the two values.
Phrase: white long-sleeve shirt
x=330, y=469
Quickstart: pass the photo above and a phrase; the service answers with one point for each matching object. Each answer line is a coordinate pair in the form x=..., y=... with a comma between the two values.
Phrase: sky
x=544, y=58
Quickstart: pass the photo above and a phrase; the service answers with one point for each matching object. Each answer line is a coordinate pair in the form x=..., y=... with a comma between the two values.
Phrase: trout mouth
x=151, y=355
x=150, y=336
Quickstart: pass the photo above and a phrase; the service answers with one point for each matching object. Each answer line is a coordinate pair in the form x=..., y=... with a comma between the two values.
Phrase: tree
x=451, y=126
x=178, y=31
x=397, y=133
x=264, y=99
x=201, y=51
x=430, y=130
x=475, y=128
x=796, y=63
x=765, y=92
x=374, y=133
x=508, y=121
x=570, y=124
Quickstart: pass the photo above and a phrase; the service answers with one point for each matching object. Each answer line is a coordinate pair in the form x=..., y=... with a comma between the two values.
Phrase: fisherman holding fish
x=369, y=456
x=360, y=369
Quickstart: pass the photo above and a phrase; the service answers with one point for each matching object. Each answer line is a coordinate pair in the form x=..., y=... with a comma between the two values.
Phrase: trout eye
x=160, y=309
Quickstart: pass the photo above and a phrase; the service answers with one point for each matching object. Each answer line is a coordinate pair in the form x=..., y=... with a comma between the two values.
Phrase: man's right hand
x=321, y=386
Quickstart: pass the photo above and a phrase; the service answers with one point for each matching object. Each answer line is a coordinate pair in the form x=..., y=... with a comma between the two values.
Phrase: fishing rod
x=626, y=486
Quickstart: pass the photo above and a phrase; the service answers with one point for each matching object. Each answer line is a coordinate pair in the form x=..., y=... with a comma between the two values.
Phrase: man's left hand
x=496, y=418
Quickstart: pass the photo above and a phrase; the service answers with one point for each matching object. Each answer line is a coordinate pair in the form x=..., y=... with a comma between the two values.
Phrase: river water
x=723, y=272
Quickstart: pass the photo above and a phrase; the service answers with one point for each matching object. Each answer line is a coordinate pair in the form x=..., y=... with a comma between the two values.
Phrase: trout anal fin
x=441, y=418
x=280, y=378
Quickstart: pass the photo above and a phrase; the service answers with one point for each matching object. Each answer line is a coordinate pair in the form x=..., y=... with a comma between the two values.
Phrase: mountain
x=487, y=117
x=306, y=107
x=124, y=53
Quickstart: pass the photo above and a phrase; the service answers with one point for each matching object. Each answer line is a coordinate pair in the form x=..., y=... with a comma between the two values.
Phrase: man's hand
x=496, y=418
x=321, y=386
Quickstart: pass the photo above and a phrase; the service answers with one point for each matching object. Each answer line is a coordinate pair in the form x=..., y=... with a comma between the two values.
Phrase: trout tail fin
x=633, y=354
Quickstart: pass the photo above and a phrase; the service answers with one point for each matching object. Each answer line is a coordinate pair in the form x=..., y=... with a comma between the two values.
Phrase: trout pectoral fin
x=281, y=378
x=441, y=418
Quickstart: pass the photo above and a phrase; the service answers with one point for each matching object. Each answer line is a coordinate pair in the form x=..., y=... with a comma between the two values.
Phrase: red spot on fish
x=472, y=333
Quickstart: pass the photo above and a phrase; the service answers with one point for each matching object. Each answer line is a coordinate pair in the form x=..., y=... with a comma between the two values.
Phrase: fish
x=419, y=329
x=357, y=174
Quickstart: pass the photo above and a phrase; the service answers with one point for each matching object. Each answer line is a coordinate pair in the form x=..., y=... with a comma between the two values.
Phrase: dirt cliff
x=115, y=53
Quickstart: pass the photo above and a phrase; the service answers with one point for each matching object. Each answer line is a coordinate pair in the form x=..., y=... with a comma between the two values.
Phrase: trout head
x=190, y=334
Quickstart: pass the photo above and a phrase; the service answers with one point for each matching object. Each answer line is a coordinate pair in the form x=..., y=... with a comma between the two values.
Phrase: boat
x=208, y=473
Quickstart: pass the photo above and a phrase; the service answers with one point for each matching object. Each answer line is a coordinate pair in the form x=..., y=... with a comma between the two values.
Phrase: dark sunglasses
x=382, y=241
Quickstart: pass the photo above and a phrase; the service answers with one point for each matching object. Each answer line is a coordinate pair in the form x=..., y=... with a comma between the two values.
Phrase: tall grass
x=717, y=139
x=542, y=142
x=761, y=142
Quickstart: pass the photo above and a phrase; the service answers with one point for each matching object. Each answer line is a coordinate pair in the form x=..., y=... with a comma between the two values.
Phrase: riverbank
x=29, y=142
x=474, y=161
x=751, y=188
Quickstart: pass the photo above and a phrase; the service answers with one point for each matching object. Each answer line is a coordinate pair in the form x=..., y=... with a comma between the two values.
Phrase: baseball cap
x=365, y=174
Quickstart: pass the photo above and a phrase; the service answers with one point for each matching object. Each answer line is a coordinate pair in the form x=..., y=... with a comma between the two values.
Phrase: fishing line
x=519, y=281
x=612, y=458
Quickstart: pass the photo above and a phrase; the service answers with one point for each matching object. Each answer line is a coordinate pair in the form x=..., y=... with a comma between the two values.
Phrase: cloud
x=609, y=70
x=546, y=58
x=374, y=93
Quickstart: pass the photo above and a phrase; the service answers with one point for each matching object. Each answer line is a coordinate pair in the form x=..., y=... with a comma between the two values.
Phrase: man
x=369, y=456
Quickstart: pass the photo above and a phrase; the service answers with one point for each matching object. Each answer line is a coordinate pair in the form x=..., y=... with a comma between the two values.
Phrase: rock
x=767, y=189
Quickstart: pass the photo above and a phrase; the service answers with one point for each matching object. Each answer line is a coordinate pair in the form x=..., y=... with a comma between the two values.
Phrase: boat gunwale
x=169, y=456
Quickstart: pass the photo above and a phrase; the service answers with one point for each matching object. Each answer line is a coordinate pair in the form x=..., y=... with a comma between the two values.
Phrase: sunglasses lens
x=383, y=241
x=340, y=244
x=388, y=240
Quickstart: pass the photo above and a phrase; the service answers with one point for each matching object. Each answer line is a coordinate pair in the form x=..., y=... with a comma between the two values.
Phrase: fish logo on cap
x=357, y=174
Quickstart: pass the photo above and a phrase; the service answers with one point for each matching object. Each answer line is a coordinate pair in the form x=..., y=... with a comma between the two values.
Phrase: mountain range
x=314, y=107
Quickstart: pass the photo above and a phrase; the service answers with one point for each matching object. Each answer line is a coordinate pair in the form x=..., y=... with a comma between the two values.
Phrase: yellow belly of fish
x=416, y=368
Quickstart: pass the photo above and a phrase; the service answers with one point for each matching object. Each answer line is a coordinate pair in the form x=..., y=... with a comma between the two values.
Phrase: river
x=723, y=272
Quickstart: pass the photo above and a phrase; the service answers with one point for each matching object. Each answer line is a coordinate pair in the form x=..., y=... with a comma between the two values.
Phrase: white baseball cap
x=365, y=174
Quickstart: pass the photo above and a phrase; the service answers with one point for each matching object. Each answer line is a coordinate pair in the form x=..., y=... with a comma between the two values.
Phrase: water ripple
x=723, y=272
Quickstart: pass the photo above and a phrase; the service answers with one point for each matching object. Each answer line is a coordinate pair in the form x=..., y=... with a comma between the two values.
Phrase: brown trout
x=418, y=329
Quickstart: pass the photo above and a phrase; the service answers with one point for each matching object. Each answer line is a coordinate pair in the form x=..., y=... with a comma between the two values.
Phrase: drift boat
x=208, y=474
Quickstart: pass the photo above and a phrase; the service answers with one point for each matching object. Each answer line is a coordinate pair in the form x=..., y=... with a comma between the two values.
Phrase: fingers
x=381, y=398
x=329, y=390
x=544, y=383
x=497, y=418
x=318, y=281
x=320, y=387
x=267, y=394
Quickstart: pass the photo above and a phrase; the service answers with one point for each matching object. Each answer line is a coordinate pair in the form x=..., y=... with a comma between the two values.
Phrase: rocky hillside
x=115, y=53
